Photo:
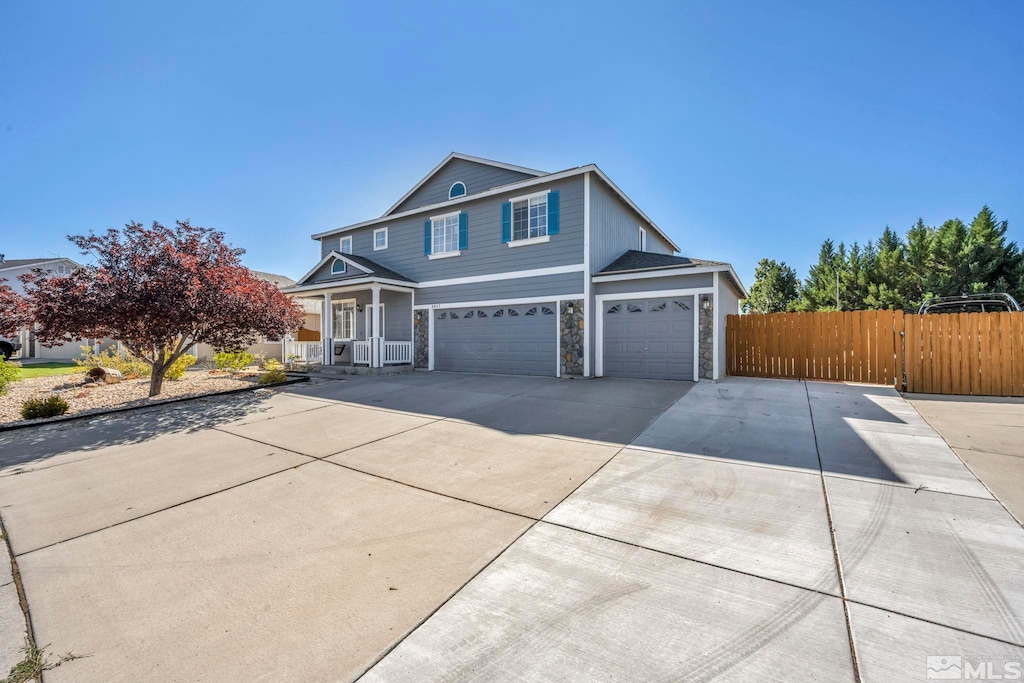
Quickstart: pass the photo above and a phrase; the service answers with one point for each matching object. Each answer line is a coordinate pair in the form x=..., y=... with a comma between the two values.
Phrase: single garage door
x=649, y=338
x=508, y=340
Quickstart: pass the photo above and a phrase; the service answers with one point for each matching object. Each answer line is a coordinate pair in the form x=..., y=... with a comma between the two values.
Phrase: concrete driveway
x=453, y=527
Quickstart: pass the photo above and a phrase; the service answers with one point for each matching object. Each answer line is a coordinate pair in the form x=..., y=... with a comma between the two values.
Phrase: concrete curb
x=115, y=411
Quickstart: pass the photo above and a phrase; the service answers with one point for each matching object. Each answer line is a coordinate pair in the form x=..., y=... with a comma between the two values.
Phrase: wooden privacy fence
x=958, y=353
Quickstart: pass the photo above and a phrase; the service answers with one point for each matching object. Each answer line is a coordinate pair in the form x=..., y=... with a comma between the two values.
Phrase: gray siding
x=477, y=177
x=519, y=288
x=614, y=227
x=655, y=284
x=728, y=304
x=486, y=253
x=324, y=274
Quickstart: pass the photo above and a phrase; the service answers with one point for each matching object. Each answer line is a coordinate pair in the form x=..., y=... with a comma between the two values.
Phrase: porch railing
x=306, y=352
x=361, y=352
x=397, y=352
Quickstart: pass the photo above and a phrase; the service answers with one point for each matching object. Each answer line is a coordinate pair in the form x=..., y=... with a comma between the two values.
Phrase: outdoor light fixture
x=359, y=308
x=705, y=302
x=569, y=308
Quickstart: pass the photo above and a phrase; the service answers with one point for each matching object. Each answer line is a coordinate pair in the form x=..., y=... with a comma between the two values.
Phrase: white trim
x=433, y=242
x=558, y=338
x=352, y=284
x=354, y=327
x=327, y=257
x=430, y=337
x=494, y=277
x=367, y=310
x=716, y=301
x=504, y=189
x=527, y=197
x=696, y=337
x=39, y=264
x=643, y=239
x=464, y=188
x=444, y=254
x=344, y=266
x=439, y=217
x=695, y=292
x=341, y=245
x=529, y=240
x=375, y=232
x=587, y=284
x=464, y=157
x=498, y=302
x=671, y=272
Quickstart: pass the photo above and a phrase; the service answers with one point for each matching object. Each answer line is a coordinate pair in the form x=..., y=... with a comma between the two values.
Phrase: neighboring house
x=488, y=267
x=11, y=270
x=274, y=348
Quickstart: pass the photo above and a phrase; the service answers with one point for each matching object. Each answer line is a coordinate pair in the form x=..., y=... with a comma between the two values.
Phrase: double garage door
x=508, y=340
x=649, y=338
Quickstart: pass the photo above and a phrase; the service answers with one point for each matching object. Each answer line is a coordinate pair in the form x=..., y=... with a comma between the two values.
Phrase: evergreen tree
x=818, y=292
x=774, y=290
x=889, y=283
x=918, y=263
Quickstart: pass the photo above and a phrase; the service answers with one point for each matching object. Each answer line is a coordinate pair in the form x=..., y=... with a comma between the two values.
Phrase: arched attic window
x=338, y=267
x=457, y=190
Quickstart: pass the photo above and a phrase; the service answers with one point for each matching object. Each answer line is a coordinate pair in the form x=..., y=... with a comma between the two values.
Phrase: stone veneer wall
x=571, y=334
x=706, y=345
x=421, y=339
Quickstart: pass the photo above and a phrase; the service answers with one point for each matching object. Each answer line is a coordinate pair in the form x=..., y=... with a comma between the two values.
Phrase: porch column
x=327, y=330
x=376, y=358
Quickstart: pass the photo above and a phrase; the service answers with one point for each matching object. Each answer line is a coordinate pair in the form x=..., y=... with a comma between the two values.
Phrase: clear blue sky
x=744, y=129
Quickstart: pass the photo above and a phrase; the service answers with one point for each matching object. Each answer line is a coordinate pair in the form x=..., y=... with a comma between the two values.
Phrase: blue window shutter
x=506, y=222
x=553, y=212
x=427, y=234
x=463, y=230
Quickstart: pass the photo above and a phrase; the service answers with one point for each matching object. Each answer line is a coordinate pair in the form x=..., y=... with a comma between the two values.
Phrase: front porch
x=360, y=327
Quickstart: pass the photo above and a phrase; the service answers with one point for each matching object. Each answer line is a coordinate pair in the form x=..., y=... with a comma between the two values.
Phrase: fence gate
x=981, y=354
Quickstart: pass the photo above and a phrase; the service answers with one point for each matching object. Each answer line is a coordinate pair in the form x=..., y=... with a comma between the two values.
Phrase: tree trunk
x=156, y=380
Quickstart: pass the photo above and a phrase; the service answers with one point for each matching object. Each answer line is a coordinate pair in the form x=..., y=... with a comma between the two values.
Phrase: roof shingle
x=644, y=260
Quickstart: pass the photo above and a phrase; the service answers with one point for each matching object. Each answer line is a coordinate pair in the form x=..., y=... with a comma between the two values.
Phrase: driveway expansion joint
x=835, y=544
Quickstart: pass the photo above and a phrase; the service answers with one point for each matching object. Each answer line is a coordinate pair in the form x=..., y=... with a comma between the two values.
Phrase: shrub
x=8, y=373
x=273, y=377
x=36, y=408
x=178, y=367
x=233, y=361
x=272, y=364
x=128, y=365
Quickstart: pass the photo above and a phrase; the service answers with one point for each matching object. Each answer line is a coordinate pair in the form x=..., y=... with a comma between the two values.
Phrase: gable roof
x=372, y=269
x=27, y=262
x=634, y=260
x=280, y=281
x=642, y=264
x=550, y=177
x=464, y=157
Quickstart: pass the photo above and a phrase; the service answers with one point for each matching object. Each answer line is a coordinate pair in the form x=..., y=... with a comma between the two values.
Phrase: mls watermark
x=974, y=668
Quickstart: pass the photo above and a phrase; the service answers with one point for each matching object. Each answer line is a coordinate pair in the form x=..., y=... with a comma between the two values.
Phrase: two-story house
x=489, y=267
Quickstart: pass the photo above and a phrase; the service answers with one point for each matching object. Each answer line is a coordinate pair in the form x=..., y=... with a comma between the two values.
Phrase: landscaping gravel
x=91, y=398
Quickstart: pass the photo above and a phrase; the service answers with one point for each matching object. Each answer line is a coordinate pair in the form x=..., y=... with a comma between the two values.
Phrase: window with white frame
x=643, y=239
x=338, y=267
x=457, y=189
x=346, y=245
x=63, y=269
x=344, y=319
x=445, y=238
x=380, y=239
x=530, y=217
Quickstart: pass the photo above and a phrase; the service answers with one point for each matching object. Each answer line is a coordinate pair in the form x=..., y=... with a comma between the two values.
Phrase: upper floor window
x=346, y=245
x=445, y=234
x=62, y=269
x=338, y=267
x=380, y=239
x=643, y=240
x=457, y=190
x=530, y=217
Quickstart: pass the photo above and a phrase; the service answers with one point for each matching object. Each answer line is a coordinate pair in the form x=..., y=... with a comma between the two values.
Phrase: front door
x=369, y=321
